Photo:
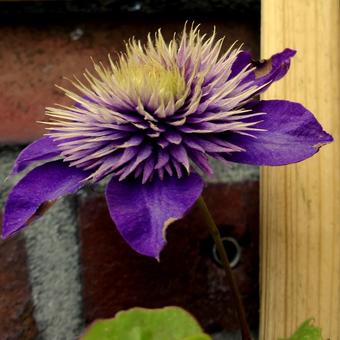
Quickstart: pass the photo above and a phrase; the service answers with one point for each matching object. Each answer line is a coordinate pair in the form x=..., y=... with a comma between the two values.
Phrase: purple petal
x=173, y=137
x=292, y=135
x=148, y=169
x=267, y=71
x=275, y=68
x=202, y=161
x=163, y=159
x=142, y=212
x=178, y=167
x=242, y=60
x=179, y=153
x=144, y=152
x=42, y=149
x=44, y=183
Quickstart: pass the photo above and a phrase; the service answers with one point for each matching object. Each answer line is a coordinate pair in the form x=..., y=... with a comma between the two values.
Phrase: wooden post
x=300, y=204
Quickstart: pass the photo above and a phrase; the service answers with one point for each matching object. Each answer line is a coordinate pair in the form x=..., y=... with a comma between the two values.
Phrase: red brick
x=35, y=56
x=16, y=308
x=117, y=278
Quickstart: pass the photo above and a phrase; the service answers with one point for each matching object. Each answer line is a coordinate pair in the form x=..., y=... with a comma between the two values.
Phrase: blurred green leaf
x=307, y=331
x=169, y=323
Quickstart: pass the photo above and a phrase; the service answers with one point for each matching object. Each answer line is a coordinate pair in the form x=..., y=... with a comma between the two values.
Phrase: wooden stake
x=300, y=204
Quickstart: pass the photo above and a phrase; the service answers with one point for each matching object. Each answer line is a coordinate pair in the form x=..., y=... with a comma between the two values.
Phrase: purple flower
x=151, y=121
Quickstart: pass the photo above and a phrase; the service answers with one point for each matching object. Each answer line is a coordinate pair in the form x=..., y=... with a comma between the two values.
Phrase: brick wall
x=71, y=266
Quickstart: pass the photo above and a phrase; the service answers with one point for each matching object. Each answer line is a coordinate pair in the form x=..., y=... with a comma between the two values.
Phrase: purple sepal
x=142, y=212
x=273, y=69
x=266, y=71
x=291, y=135
x=42, y=149
x=43, y=184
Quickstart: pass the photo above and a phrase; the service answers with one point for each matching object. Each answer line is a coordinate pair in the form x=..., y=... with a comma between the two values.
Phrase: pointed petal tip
x=142, y=212
x=292, y=135
x=329, y=138
x=41, y=149
x=325, y=139
x=4, y=235
x=7, y=233
x=289, y=52
x=154, y=253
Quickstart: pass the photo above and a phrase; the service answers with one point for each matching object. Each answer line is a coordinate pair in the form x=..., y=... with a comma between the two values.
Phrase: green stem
x=226, y=265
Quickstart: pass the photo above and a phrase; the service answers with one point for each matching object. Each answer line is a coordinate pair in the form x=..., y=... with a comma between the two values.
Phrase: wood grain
x=300, y=204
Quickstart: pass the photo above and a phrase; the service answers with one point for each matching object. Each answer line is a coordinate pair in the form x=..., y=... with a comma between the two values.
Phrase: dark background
x=40, y=43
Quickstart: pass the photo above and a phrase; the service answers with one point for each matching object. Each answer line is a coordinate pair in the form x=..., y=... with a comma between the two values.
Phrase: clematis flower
x=152, y=121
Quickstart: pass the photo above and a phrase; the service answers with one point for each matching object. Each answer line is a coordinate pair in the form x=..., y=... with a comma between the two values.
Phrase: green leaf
x=307, y=331
x=169, y=323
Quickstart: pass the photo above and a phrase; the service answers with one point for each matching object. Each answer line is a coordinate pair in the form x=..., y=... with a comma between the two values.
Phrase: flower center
x=151, y=80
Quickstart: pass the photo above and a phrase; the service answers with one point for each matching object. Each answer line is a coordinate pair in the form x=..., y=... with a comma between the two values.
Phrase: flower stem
x=226, y=265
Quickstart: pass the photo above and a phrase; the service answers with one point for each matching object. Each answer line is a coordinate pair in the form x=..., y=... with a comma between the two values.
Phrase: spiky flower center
x=152, y=79
x=158, y=110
